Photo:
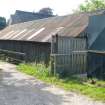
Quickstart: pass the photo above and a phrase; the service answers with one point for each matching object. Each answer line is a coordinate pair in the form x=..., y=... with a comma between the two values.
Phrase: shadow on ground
x=18, y=89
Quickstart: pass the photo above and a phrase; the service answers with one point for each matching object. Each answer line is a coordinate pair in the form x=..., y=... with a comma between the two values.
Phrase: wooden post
x=52, y=44
x=56, y=44
x=87, y=54
x=54, y=50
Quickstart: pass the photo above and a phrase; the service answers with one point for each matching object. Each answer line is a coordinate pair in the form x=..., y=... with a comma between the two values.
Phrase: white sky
x=60, y=7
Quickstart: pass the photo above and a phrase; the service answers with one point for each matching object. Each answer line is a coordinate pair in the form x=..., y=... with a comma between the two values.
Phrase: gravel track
x=19, y=89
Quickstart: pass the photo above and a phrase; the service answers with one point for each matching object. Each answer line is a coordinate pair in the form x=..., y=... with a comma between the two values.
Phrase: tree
x=46, y=11
x=92, y=5
x=2, y=23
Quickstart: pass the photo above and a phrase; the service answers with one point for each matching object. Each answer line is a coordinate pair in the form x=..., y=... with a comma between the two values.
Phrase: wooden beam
x=12, y=52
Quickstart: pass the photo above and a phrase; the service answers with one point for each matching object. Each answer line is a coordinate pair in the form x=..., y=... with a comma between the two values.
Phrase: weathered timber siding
x=65, y=45
x=74, y=63
x=34, y=51
x=69, y=55
x=96, y=64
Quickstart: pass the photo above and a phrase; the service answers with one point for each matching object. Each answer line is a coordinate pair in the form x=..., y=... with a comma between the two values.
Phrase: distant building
x=23, y=16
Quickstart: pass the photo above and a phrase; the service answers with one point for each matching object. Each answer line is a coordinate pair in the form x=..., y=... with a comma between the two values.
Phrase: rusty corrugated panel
x=42, y=30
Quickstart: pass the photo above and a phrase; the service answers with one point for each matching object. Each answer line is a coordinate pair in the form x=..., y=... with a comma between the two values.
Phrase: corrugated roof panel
x=41, y=30
x=11, y=35
x=7, y=34
x=16, y=35
x=52, y=33
x=27, y=33
x=36, y=33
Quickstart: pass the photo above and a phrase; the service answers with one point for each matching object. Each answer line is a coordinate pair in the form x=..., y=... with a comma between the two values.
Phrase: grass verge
x=97, y=91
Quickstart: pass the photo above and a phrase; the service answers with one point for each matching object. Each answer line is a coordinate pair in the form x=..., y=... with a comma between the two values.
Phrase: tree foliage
x=92, y=5
x=2, y=23
x=46, y=11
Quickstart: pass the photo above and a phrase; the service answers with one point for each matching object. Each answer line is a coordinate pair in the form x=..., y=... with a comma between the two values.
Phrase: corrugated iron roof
x=42, y=30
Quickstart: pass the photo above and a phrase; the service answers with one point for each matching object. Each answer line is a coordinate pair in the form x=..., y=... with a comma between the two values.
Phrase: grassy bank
x=83, y=86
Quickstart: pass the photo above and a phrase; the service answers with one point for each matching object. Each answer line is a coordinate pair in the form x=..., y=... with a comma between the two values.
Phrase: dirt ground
x=19, y=89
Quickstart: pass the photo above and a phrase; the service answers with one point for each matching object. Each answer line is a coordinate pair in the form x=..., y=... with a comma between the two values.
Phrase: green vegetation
x=46, y=11
x=91, y=5
x=82, y=85
x=2, y=23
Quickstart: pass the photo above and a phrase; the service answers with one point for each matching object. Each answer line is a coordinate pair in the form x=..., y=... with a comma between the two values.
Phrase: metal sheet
x=36, y=33
x=73, y=26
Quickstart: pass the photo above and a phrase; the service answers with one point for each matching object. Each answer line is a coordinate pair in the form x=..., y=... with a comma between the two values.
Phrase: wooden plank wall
x=65, y=45
x=35, y=52
x=68, y=64
x=96, y=64
x=69, y=55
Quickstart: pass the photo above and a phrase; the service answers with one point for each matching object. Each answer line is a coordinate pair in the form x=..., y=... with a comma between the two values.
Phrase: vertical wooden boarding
x=96, y=62
x=68, y=54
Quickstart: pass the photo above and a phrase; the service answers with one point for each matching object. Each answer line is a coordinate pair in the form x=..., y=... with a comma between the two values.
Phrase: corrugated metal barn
x=33, y=38
x=80, y=38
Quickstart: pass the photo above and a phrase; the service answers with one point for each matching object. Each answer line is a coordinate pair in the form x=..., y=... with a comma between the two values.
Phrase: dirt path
x=20, y=89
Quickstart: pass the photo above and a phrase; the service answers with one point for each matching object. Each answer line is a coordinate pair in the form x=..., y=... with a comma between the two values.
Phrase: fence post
x=56, y=44
x=55, y=66
x=87, y=54
x=52, y=64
